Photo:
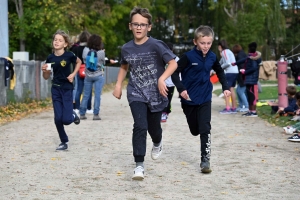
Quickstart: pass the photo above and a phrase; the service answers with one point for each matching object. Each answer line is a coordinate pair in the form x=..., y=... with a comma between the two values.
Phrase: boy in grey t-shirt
x=146, y=58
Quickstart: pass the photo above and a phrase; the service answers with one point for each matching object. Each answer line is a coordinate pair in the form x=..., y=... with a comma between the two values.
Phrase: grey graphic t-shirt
x=146, y=64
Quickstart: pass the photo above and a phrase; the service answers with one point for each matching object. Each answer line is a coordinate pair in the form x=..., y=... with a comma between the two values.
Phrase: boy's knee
x=194, y=132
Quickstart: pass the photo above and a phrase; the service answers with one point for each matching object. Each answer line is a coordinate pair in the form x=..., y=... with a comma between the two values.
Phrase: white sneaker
x=77, y=111
x=90, y=111
x=296, y=118
x=156, y=151
x=164, y=117
x=138, y=173
x=289, y=129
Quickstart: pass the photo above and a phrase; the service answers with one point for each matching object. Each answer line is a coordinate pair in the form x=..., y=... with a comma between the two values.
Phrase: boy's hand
x=227, y=93
x=117, y=92
x=71, y=78
x=185, y=95
x=44, y=68
x=163, y=90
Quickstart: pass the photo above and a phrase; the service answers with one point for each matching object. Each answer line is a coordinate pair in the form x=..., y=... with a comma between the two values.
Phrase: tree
x=248, y=21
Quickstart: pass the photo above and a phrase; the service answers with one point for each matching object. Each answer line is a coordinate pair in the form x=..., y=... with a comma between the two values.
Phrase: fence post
x=282, y=82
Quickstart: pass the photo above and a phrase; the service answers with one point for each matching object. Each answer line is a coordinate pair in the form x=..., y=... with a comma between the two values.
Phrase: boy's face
x=59, y=42
x=139, y=27
x=203, y=43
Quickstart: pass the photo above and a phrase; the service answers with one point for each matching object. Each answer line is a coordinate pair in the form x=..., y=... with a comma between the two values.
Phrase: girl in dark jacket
x=251, y=73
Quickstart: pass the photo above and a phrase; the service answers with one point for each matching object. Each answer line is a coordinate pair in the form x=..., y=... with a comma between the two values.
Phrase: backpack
x=91, y=60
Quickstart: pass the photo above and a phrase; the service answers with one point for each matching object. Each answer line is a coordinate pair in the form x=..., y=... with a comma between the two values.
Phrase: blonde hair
x=204, y=31
x=74, y=39
x=64, y=35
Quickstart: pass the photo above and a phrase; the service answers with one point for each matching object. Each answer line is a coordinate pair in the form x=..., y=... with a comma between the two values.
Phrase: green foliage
x=264, y=112
x=263, y=21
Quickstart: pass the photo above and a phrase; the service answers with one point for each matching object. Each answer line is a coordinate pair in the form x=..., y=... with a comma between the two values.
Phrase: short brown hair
x=142, y=11
x=237, y=48
x=203, y=31
x=291, y=90
x=84, y=36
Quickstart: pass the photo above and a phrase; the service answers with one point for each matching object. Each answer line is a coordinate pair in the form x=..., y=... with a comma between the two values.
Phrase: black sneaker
x=294, y=138
x=76, y=118
x=62, y=146
x=250, y=114
x=205, y=165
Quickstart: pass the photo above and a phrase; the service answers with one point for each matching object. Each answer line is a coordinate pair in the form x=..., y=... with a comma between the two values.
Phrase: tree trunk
x=19, y=8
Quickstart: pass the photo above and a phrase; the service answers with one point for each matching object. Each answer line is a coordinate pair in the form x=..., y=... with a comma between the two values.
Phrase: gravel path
x=251, y=159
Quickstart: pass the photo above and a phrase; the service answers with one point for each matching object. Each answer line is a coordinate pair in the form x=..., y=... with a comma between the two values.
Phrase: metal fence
x=29, y=82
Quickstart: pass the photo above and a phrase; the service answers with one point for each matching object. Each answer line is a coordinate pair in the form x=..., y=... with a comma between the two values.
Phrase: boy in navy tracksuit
x=195, y=89
x=62, y=84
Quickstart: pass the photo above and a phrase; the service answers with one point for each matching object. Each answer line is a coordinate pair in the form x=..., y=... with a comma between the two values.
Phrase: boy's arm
x=46, y=73
x=240, y=61
x=182, y=63
x=73, y=74
x=172, y=66
x=221, y=75
x=292, y=107
x=121, y=76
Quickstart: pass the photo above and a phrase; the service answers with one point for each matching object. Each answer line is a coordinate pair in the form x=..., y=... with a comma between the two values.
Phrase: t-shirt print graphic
x=143, y=75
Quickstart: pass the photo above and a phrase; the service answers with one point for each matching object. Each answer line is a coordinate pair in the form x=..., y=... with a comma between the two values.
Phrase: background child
x=296, y=127
x=93, y=78
x=62, y=84
x=231, y=73
x=195, y=89
x=292, y=106
x=146, y=58
x=170, y=86
x=78, y=50
x=251, y=73
x=241, y=87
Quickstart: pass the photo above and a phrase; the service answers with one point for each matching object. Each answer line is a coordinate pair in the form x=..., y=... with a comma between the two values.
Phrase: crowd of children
x=148, y=93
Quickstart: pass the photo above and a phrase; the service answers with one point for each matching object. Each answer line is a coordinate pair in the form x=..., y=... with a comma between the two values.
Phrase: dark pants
x=144, y=120
x=251, y=97
x=198, y=118
x=170, y=95
x=80, y=85
x=62, y=100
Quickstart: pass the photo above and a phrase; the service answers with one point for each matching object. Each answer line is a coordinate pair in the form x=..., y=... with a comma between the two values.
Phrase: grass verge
x=264, y=112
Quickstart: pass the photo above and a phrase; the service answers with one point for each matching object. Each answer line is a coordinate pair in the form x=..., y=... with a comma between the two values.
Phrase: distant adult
x=231, y=75
x=78, y=50
x=241, y=87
